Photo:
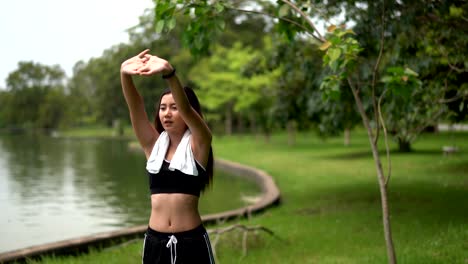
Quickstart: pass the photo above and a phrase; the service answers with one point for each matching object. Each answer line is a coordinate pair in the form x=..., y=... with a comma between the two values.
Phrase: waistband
x=197, y=231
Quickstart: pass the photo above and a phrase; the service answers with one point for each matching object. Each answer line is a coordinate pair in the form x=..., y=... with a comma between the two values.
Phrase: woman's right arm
x=144, y=131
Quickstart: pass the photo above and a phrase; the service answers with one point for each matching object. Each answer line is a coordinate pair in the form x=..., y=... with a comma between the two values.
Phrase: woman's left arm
x=201, y=134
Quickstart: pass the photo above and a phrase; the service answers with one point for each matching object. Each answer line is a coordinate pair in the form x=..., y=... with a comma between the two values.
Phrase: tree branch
x=306, y=18
x=374, y=74
x=387, y=148
x=455, y=68
x=453, y=99
x=428, y=121
x=445, y=54
x=282, y=18
x=245, y=229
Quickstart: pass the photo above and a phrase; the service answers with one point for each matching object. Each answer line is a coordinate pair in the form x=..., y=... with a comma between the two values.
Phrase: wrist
x=167, y=68
x=123, y=73
x=169, y=74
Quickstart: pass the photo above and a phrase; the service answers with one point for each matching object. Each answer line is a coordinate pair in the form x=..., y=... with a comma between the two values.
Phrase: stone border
x=270, y=196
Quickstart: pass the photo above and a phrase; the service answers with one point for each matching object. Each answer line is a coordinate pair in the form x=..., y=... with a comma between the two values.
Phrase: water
x=54, y=189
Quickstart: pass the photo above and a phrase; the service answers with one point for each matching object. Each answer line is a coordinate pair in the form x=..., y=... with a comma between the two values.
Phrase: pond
x=53, y=189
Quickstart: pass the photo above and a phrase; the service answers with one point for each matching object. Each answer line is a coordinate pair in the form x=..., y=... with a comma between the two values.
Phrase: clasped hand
x=145, y=64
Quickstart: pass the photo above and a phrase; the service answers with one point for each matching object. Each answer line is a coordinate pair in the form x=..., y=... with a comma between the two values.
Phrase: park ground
x=330, y=209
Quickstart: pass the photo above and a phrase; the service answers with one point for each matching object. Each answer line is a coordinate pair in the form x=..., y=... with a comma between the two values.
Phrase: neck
x=175, y=137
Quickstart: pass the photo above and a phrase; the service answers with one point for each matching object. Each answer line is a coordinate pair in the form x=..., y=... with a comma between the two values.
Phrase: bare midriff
x=174, y=212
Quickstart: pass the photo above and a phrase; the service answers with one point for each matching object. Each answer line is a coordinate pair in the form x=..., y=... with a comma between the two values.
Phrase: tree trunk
x=228, y=120
x=404, y=145
x=291, y=127
x=267, y=136
x=240, y=124
x=253, y=124
x=381, y=178
x=347, y=136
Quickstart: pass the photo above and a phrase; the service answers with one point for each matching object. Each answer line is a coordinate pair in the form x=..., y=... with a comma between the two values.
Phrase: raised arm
x=201, y=134
x=144, y=131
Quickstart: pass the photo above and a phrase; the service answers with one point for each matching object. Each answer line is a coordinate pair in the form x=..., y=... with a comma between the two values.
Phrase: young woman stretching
x=179, y=164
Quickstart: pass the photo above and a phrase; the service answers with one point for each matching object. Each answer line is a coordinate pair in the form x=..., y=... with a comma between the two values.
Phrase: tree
x=31, y=89
x=299, y=101
x=223, y=83
x=52, y=110
x=94, y=90
x=97, y=86
x=5, y=110
x=410, y=110
x=295, y=86
x=341, y=57
x=427, y=36
x=81, y=93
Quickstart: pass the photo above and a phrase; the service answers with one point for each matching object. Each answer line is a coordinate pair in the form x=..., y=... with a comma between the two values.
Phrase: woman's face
x=169, y=115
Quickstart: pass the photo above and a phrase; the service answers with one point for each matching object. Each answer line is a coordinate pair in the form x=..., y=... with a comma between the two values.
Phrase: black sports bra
x=168, y=181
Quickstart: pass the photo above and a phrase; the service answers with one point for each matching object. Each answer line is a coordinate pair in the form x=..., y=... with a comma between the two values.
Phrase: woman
x=179, y=164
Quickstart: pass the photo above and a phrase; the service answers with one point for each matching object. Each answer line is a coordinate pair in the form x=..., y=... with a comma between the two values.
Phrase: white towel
x=182, y=160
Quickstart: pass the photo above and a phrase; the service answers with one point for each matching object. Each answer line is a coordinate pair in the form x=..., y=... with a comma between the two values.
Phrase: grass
x=330, y=210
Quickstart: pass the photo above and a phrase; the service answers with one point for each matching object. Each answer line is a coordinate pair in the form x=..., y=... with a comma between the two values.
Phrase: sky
x=62, y=32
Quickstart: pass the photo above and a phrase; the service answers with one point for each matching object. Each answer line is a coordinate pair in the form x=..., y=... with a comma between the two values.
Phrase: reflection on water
x=55, y=189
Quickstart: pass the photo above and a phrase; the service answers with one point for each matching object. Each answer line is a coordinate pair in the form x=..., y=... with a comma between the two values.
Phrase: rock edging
x=270, y=196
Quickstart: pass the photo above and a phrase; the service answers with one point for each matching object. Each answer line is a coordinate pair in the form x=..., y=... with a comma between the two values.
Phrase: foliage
x=426, y=36
x=411, y=107
x=207, y=21
x=222, y=78
x=296, y=83
x=225, y=82
x=51, y=111
x=341, y=53
x=95, y=84
x=35, y=96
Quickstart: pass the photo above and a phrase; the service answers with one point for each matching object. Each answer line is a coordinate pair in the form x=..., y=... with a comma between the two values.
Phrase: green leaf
x=219, y=7
x=199, y=41
x=284, y=10
x=386, y=79
x=221, y=25
x=160, y=8
x=334, y=65
x=200, y=11
x=334, y=54
x=335, y=40
x=171, y=23
x=455, y=11
x=410, y=72
x=159, y=26
x=395, y=70
x=334, y=94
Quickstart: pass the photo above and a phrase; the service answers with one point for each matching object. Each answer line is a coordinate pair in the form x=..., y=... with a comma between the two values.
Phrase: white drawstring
x=172, y=241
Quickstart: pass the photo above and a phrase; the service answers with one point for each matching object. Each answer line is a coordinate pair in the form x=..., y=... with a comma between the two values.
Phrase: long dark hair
x=195, y=103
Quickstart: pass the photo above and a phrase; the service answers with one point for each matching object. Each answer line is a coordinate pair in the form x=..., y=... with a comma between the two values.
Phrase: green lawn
x=330, y=210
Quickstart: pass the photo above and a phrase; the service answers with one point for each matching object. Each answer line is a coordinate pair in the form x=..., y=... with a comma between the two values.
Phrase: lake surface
x=53, y=189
